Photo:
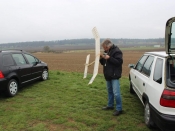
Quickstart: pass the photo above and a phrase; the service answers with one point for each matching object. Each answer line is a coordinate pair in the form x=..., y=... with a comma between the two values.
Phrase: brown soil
x=74, y=61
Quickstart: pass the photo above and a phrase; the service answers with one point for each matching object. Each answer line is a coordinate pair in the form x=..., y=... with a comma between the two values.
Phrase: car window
x=170, y=72
x=147, y=66
x=7, y=60
x=19, y=59
x=158, y=71
x=173, y=36
x=31, y=59
x=141, y=62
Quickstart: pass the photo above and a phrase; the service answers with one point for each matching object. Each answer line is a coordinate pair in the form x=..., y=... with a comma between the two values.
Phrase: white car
x=153, y=80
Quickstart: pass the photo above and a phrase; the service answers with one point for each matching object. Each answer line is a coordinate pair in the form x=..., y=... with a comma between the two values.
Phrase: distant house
x=157, y=46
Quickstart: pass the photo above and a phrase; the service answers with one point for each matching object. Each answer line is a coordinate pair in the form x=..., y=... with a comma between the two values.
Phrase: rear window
x=19, y=59
x=172, y=45
x=7, y=60
x=158, y=71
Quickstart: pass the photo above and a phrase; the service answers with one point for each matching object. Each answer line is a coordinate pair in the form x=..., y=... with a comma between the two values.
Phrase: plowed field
x=74, y=61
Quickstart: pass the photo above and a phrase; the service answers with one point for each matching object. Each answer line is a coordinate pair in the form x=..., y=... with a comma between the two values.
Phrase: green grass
x=66, y=103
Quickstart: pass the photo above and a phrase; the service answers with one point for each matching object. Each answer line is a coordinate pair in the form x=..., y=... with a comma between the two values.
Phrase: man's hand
x=104, y=56
x=101, y=55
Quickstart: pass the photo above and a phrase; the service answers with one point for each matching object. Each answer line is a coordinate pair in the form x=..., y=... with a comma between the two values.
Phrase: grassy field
x=66, y=103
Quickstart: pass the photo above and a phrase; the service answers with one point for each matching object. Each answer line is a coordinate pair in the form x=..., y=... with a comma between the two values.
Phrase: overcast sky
x=47, y=20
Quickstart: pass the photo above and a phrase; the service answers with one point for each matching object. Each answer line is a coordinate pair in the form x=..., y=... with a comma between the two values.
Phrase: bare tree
x=46, y=48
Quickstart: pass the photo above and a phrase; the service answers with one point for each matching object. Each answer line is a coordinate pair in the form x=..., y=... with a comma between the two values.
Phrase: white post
x=86, y=66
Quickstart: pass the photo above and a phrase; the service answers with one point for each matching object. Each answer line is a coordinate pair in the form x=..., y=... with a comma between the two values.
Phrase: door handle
x=143, y=84
x=135, y=76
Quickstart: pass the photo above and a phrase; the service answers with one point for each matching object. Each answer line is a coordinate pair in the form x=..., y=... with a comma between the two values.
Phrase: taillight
x=1, y=75
x=168, y=98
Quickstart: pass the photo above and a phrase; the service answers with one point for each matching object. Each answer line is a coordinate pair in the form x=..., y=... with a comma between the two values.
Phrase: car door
x=135, y=73
x=156, y=84
x=8, y=65
x=23, y=69
x=144, y=78
x=36, y=66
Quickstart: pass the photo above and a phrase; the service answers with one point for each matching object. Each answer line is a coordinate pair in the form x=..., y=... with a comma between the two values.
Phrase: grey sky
x=46, y=20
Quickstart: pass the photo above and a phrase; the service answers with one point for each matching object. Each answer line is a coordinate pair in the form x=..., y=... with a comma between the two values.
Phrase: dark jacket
x=112, y=67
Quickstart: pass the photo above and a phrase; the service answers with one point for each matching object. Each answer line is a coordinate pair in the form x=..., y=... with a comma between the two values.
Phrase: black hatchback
x=17, y=68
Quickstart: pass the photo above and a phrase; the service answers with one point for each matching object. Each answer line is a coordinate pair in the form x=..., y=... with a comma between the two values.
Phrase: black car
x=17, y=68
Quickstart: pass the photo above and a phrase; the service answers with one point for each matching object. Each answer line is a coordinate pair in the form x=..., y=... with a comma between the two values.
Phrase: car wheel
x=147, y=115
x=12, y=88
x=45, y=75
x=131, y=88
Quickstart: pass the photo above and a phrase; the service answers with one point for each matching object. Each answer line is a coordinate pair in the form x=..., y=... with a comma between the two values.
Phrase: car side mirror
x=131, y=65
x=35, y=63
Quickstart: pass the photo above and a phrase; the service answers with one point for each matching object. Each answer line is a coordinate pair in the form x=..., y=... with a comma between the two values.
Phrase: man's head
x=106, y=44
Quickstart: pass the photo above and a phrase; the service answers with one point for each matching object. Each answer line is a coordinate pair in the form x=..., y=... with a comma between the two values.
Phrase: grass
x=66, y=103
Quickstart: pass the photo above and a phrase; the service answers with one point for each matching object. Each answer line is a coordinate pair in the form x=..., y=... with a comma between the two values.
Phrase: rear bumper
x=3, y=84
x=163, y=121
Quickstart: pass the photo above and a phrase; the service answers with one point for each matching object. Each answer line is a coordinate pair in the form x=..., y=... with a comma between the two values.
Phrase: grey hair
x=107, y=43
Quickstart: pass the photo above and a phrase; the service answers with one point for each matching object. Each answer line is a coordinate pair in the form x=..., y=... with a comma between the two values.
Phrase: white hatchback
x=153, y=80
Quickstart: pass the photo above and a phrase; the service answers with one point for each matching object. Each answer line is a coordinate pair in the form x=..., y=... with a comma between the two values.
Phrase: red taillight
x=168, y=98
x=1, y=75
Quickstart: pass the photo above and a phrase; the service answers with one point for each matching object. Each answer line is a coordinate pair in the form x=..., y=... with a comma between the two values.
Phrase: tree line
x=73, y=43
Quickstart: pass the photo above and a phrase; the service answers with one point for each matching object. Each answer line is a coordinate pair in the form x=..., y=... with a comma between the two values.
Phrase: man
x=112, y=68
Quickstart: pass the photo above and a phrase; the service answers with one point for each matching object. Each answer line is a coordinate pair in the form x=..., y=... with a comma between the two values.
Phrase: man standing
x=112, y=68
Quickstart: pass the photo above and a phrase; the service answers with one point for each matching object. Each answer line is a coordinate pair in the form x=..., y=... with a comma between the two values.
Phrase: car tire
x=12, y=88
x=44, y=75
x=147, y=115
x=131, y=90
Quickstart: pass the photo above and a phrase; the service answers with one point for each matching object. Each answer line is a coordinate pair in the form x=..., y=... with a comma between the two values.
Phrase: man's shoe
x=108, y=108
x=116, y=113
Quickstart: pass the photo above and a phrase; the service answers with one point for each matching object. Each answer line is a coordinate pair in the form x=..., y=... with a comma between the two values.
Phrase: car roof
x=159, y=53
x=12, y=50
